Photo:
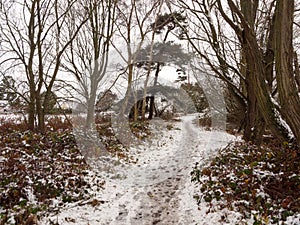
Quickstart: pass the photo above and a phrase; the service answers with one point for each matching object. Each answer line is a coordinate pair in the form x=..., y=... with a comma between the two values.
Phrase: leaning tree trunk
x=258, y=81
x=254, y=59
x=286, y=82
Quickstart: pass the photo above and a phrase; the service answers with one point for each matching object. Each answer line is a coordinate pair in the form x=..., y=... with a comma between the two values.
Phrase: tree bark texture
x=284, y=56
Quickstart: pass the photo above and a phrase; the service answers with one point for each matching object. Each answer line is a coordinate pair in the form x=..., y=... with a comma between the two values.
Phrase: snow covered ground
x=157, y=188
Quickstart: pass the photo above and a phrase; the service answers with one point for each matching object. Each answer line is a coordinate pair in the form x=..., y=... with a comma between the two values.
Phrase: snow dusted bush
x=40, y=172
x=263, y=184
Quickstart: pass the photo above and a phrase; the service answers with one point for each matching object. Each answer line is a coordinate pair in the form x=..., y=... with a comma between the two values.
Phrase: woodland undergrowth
x=39, y=173
x=262, y=183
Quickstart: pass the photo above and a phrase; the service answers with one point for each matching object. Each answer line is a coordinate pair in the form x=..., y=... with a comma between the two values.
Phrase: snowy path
x=156, y=189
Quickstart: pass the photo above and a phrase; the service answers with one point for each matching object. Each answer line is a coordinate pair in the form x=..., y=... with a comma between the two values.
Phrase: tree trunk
x=257, y=78
x=129, y=89
x=254, y=59
x=31, y=111
x=151, y=107
x=254, y=123
x=152, y=98
x=297, y=70
x=253, y=131
x=29, y=70
x=40, y=113
x=91, y=98
x=269, y=56
x=90, y=118
x=286, y=82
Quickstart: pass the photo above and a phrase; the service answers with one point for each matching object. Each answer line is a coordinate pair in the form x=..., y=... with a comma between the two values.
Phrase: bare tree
x=254, y=26
x=168, y=22
x=217, y=50
x=34, y=40
x=257, y=75
x=87, y=56
x=134, y=27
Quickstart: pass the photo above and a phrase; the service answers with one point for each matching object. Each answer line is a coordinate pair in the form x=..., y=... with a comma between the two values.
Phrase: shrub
x=250, y=178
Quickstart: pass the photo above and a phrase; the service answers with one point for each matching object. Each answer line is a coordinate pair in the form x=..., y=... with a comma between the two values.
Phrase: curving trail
x=156, y=189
